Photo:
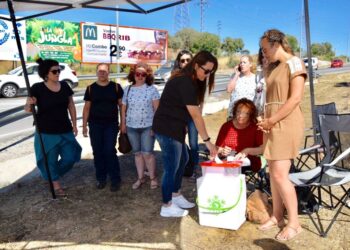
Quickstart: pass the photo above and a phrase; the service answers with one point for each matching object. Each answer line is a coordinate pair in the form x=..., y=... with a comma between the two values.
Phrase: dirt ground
x=129, y=219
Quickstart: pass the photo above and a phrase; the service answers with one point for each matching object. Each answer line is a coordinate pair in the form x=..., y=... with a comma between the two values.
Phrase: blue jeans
x=103, y=138
x=141, y=139
x=193, y=140
x=175, y=157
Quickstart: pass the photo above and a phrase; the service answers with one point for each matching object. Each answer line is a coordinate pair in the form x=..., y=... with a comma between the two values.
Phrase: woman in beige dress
x=283, y=125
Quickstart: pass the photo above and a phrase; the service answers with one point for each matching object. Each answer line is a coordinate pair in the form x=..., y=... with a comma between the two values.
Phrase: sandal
x=270, y=224
x=154, y=183
x=59, y=192
x=138, y=183
x=288, y=233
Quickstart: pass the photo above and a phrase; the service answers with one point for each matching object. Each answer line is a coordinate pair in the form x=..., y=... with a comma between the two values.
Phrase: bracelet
x=206, y=140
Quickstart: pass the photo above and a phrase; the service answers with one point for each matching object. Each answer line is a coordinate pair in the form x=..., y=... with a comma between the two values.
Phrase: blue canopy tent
x=45, y=7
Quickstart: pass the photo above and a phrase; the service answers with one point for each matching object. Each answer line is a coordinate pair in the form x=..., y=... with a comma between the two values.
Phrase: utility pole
x=302, y=20
x=219, y=28
x=203, y=5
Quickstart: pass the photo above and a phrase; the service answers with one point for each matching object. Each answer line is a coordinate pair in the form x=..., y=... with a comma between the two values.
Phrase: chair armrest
x=339, y=158
x=309, y=149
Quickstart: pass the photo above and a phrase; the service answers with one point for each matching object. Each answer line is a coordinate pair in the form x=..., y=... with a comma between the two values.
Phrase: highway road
x=11, y=126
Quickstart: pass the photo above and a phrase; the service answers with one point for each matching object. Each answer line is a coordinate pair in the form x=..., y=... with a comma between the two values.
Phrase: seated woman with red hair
x=241, y=134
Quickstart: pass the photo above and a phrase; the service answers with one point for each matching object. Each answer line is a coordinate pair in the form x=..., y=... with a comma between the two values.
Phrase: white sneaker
x=173, y=211
x=181, y=201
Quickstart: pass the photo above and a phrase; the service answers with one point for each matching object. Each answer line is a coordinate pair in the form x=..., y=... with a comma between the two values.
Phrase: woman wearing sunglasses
x=54, y=100
x=182, y=59
x=179, y=103
x=140, y=101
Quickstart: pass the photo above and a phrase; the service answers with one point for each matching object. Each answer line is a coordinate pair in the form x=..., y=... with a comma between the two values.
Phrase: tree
x=175, y=42
x=293, y=42
x=206, y=41
x=231, y=45
x=188, y=37
x=323, y=50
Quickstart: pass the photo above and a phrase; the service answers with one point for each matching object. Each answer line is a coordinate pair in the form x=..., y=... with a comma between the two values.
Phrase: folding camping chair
x=316, y=149
x=328, y=174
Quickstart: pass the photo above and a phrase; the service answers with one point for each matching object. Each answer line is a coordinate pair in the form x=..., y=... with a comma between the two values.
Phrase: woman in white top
x=242, y=84
x=140, y=102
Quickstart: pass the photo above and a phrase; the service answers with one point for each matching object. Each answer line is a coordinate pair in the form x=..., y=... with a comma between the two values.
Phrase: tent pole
x=310, y=69
x=25, y=74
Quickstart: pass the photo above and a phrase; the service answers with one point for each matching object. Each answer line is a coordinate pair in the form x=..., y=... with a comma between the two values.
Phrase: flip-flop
x=271, y=224
x=290, y=235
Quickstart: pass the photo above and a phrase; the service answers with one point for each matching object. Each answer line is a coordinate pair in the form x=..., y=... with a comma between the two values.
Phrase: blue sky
x=246, y=19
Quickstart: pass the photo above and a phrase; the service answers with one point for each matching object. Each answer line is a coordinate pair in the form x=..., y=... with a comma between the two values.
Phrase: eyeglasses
x=206, y=71
x=138, y=74
x=55, y=71
x=185, y=60
x=243, y=114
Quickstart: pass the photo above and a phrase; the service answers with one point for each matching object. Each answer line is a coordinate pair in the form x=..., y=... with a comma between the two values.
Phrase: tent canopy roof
x=44, y=7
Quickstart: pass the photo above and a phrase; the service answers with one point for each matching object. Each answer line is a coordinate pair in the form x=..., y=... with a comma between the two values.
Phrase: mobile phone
x=239, y=68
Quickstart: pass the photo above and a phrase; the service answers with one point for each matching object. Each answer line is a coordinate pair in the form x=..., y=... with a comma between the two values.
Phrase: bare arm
x=202, y=131
x=232, y=84
x=86, y=112
x=155, y=104
x=297, y=91
x=123, y=119
x=73, y=114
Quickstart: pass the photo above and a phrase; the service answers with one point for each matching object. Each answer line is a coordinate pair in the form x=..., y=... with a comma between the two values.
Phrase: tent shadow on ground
x=87, y=215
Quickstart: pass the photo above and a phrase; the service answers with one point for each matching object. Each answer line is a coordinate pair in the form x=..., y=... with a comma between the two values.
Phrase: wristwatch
x=206, y=140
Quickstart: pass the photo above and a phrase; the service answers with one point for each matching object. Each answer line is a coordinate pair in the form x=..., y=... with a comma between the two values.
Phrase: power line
x=181, y=17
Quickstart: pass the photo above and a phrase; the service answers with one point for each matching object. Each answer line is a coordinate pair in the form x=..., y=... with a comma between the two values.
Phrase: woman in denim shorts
x=140, y=102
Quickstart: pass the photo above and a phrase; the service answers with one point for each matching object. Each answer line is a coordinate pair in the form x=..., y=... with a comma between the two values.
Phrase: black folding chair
x=312, y=152
x=329, y=173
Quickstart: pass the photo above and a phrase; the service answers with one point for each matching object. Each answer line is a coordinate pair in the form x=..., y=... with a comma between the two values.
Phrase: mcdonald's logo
x=90, y=32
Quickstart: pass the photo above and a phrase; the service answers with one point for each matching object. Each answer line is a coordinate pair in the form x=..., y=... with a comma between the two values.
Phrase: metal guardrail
x=93, y=77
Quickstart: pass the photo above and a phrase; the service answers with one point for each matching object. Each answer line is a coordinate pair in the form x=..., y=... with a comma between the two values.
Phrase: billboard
x=58, y=40
x=99, y=44
x=8, y=45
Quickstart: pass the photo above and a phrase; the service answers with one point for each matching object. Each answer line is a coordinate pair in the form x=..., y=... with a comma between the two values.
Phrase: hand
x=85, y=131
x=236, y=71
x=212, y=148
x=30, y=101
x=241, y=156
x=225, y=151
x=265, y=125
x=75, y=130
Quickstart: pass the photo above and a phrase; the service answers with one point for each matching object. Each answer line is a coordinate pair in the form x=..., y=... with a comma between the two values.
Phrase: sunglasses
x=138, y=74
x=55, y=71
x=206, y=71
x=185, y=60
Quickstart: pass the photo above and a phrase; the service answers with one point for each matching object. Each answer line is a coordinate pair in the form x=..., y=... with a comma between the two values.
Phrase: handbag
x=124, y=145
